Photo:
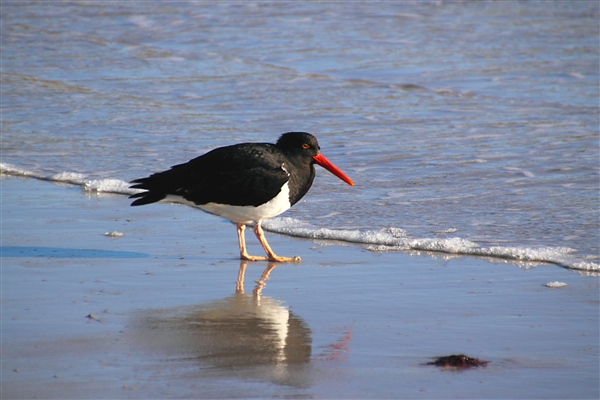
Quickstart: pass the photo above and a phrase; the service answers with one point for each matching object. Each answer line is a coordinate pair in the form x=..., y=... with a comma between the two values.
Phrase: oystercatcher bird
x=244, y=183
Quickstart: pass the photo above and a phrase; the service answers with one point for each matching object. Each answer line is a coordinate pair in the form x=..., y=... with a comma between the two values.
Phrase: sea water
x=468, y=127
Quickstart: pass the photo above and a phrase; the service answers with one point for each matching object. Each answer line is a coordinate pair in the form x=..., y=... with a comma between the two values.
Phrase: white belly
x=243, y=214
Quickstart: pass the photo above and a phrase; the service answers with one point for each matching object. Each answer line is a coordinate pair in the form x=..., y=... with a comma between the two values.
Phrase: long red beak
x=323, y=162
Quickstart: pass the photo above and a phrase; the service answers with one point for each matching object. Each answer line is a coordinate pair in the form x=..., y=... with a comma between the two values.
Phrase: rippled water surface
x=475, y=120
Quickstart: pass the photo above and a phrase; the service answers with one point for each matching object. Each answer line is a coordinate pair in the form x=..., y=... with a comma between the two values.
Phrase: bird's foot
x=295, y=259
x=253, y=258
x=272, y=257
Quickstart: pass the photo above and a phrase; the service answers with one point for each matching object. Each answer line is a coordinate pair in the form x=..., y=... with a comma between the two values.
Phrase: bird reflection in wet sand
x=244, y=335
x=260, y=284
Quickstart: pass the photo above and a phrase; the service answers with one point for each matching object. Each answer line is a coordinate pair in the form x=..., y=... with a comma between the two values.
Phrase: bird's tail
x=146, y=198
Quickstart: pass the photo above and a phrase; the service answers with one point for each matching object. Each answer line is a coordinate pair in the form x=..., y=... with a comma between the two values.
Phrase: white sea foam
x=108, y=186
x=68, y=177
x=9, y=169
x=90, y=185
x=386, y=239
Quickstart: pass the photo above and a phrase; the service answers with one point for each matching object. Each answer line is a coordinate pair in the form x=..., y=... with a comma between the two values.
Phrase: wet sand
x=161, y=312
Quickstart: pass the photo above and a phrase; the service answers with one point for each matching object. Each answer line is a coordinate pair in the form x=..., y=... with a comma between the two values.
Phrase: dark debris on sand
x=458, y=361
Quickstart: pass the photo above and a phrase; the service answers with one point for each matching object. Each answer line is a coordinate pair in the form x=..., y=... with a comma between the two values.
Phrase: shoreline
x=383, y=240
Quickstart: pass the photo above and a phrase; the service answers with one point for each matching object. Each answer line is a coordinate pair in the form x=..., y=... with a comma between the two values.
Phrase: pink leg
x=271, y=255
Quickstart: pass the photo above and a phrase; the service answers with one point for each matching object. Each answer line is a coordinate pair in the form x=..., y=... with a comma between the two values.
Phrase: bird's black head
x=304, y=147
x=299, y=143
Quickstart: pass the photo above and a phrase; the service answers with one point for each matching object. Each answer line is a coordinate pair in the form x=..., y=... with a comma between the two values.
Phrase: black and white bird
x=244, y=183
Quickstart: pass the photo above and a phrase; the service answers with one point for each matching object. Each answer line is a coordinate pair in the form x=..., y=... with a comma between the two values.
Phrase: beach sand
x=160, y=312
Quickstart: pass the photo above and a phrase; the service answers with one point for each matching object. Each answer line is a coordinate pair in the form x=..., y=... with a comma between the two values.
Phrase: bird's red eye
x=306, y=146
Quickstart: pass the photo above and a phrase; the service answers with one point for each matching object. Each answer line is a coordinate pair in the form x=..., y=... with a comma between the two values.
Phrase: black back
x=247, y=174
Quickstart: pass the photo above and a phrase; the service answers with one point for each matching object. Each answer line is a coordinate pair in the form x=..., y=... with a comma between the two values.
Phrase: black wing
x=240, y=175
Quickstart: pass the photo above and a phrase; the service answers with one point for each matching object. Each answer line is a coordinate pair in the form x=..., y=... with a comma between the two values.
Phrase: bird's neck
x=302, y=175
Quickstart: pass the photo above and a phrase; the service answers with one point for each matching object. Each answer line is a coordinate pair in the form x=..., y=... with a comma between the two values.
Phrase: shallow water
x=466, y=121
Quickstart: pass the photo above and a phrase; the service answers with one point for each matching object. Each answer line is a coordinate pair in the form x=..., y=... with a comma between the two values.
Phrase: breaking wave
x=89, y=185
x=395, y=239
